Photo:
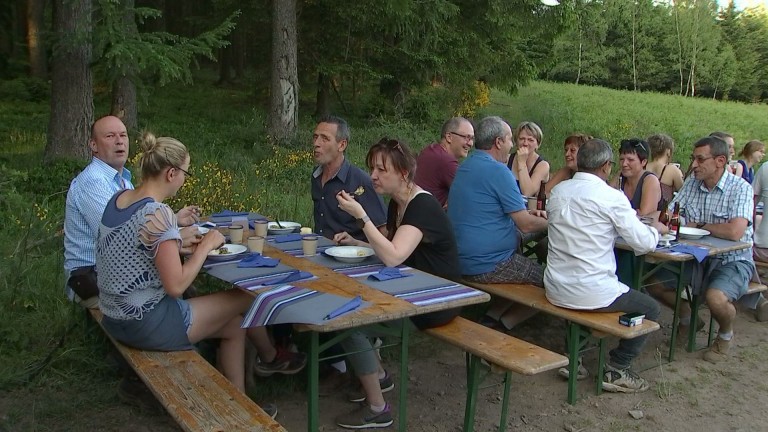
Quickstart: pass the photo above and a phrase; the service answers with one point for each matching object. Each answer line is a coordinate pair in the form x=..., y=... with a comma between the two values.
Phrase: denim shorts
x=186, y=313
x=731, y=278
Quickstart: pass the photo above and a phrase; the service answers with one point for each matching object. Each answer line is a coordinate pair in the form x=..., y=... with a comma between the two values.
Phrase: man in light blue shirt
x=87, y=197
x=88, y=194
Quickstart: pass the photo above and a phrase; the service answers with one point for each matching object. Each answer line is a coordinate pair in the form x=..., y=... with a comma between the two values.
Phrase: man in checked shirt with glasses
x=721, y=203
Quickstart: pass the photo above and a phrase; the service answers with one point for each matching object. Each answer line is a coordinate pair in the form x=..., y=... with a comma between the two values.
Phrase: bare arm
x=529, y=184
x=527, y=222
x=676, y=176
x=558, y=177
x=175, y=276
x=732, y=230
x=650, y=197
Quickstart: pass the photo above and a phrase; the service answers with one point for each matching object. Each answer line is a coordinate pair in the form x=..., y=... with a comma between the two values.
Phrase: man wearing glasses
x=585, y=217
x=721, y=203
x=438, y=162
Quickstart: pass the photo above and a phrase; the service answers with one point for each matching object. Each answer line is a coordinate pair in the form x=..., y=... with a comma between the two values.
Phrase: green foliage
x=164, y=56
x=25, y=89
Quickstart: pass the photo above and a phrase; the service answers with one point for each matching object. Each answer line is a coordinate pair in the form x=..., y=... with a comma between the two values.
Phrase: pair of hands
x=538, y=213
x=191, y=238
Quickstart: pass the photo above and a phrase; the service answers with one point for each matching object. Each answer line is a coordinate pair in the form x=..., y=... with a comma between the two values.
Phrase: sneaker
x=581, y=374
x=270, y=409
x=761, y=311
x=358, y=395
x=285, y=362
x=623, y=381
x=363, y=418
x=718, y=351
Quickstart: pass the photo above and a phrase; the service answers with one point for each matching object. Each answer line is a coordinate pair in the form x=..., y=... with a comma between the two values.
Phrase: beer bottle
x=664, y=215
x=541, y=198
x=674, y=222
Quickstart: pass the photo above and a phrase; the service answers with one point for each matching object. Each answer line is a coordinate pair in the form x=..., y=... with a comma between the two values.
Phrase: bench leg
x=676, y=314
x=312, y=368
x=573, y=360
x=473, y=382
x=711, y=335
x=505, y=402
x=600, y=366
x=401, y=421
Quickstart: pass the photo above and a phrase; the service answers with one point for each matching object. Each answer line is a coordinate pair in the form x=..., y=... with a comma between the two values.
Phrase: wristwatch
x=362, y=221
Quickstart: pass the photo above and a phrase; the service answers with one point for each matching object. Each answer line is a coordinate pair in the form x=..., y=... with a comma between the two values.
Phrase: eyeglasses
x=701, y=159
x=636, y=143
x=187, y=173
x=466, y=137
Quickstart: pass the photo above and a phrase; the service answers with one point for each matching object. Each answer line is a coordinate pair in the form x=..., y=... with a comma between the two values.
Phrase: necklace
x=401, y=212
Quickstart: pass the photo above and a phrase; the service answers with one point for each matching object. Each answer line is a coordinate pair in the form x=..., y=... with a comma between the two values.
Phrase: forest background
x=211, y=73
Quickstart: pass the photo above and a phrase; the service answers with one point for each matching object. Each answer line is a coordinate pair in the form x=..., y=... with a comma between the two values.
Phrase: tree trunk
x=71, y=81
x=224, y=65
x=284, y=88
x=323, y=100
x=124, y=105
x=38, y=66
x=238, y=52
x=634, y=47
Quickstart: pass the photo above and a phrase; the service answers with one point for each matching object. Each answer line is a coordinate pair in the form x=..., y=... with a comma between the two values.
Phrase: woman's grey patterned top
x=128, y=279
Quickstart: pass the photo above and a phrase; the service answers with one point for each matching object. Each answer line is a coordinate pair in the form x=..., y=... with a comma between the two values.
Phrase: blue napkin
x=228, y=213
x=388, y=273
x=292, y=276
x=258, y=260
x=698, y=252
x=285, y=238
x=346, y=307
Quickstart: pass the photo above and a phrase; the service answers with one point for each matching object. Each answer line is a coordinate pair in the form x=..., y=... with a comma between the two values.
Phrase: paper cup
x=236, y=234
x=256, y=244
x=309, y=245
x=306, y=230
x=260, y=228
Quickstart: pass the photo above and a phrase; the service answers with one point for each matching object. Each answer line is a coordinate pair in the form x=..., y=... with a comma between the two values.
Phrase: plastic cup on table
x=236, y=234
x=309, y=245
x=256, y=244
x=260, y=228
x=306, y=230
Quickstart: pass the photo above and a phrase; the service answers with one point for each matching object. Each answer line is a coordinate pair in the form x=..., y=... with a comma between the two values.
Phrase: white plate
x=692, y=233
x=349, y=254
x=232, y=251
x=203, y=230
x=665, y=239
x=288, y=227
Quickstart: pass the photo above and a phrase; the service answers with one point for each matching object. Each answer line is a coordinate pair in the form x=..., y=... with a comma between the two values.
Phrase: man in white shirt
x=585, y=217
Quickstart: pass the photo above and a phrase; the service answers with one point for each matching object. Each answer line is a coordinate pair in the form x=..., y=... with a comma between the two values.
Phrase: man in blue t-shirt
x=487, y=211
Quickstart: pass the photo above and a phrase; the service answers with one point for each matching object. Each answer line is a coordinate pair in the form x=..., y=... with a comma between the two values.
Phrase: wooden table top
x=384, y=307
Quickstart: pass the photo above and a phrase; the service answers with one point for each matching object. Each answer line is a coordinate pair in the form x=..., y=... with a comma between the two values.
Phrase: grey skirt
x=161, y=329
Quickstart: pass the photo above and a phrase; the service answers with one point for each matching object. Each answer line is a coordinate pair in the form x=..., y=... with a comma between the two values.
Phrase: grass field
x=237, y=170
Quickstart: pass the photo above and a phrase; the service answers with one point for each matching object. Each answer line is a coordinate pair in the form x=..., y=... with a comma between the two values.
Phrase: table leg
x=313, y=391
x=676, y=315
x=403, y=375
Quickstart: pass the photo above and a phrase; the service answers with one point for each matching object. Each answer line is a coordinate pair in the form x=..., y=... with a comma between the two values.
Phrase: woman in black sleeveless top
x=526, y=165
x=641, y=187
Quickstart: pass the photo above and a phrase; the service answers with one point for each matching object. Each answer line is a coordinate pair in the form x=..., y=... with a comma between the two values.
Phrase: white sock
x=378, y=409
x=725, y=336
x=340, y=366
x=382, y=375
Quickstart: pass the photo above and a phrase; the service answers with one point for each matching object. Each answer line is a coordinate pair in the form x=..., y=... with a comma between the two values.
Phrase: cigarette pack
x=631, y=319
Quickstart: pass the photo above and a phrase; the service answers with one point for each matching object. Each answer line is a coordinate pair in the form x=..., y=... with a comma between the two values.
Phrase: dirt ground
x=687, y=395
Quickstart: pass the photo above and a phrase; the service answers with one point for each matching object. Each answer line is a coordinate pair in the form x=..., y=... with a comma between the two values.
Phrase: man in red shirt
x=437, y=163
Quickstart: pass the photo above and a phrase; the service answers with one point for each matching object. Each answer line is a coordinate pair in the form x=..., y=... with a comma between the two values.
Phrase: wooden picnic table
x=382, y=308
x=676, y=262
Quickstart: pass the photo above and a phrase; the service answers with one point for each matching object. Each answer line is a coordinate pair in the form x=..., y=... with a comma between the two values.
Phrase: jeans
x=632, y=301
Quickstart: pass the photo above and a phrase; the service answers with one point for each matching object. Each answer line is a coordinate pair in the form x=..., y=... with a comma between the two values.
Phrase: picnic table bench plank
x=507, y=352
x=193, y=392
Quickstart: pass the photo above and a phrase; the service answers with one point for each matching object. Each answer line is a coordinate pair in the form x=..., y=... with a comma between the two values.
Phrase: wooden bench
x=581, y=326
x=504, y=351
x=193, y=392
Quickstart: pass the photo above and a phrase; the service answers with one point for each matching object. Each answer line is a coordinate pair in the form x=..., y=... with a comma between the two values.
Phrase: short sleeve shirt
x=730, y=198
x=329, y=218
x=483, y=194
x=435, y=169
